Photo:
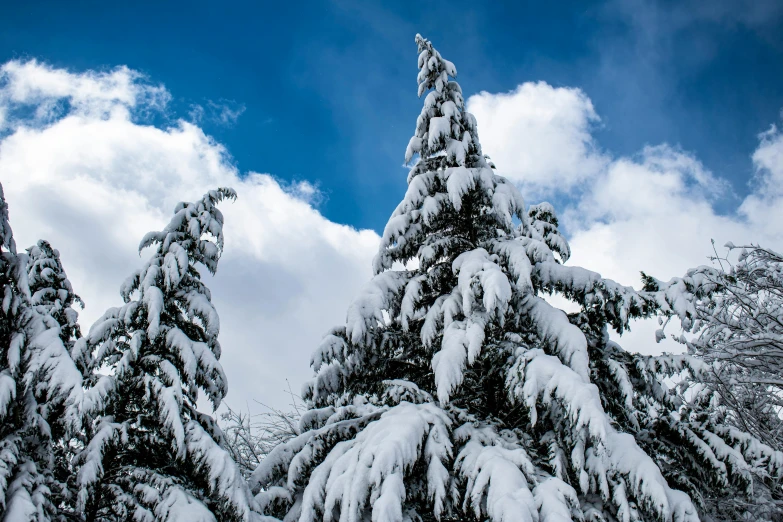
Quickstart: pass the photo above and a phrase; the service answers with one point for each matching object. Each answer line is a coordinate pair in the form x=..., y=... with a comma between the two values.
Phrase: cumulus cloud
x=539, y=135
x=93, y=182
x=653, y=212
x=763, y=206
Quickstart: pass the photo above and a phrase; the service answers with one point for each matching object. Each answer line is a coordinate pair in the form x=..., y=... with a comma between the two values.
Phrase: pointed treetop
x=454, y=202
x=434, y=70
x=190, y=222
x=51, y=290
x=443, y=127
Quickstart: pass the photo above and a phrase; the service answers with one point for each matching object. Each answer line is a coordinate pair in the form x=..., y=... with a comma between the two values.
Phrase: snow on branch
x=540, y=379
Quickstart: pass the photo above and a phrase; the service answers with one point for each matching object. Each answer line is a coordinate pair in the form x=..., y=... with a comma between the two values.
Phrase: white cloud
x=305, y=191
x=539, y=135
x=763, y=206
x=654, y=211
x=96, y=94
x=93, y=182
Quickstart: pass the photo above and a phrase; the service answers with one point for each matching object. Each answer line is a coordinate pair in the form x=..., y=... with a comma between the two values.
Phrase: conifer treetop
x=454, y=202
x=187, y=228
x=443, y=127
x=52, y=292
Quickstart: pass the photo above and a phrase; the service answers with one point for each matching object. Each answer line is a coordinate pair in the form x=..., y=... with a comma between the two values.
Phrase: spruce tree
x=40, y=391
x=456, y=391
x=150, y=454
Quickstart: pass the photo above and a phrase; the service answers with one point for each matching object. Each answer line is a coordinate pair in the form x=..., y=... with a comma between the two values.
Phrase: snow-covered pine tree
x=150, y=454
x=456, y=391
x=40, y=391
x=53, y=298
x=52, y=294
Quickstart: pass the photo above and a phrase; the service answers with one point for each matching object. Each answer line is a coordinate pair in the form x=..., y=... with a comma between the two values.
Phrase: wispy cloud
x=196, y=113
x=33, y=93
x=223, y=112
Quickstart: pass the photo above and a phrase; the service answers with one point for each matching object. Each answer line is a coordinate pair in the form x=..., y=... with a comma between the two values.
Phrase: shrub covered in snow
x=249, y=438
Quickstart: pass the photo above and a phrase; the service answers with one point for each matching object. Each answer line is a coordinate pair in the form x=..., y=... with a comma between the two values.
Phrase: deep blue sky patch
x=329, y=88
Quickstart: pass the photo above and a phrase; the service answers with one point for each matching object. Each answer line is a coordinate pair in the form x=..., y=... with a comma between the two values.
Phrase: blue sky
x=329, y=88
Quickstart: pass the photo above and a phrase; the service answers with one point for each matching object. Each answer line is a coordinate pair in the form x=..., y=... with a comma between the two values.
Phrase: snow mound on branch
x=540, y=377
x=369, y=468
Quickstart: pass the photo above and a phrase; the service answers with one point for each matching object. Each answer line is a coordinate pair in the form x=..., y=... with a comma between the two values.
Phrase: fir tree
x=456, y=391
x=52, y=297
x=52, y=293
x=40, y=391
x=150, y=454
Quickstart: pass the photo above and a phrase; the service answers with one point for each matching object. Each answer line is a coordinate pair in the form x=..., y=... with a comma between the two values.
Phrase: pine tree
x=53, y=298
x=40, y=391
x=150, y=454
x=52, y=293
x=456, y=391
